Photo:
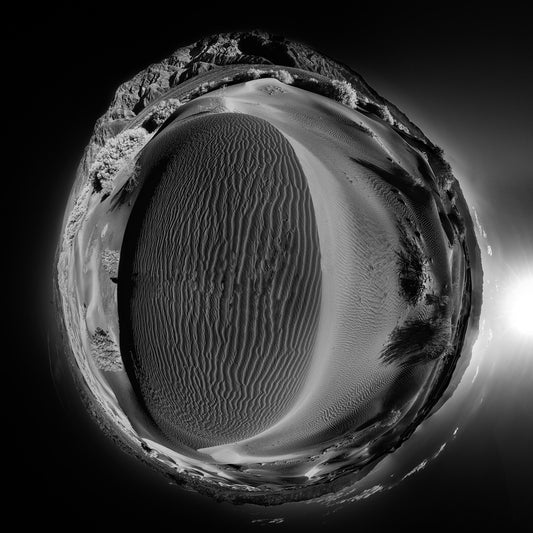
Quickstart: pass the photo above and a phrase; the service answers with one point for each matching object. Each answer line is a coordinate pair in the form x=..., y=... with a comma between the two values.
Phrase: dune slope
x=225, y=277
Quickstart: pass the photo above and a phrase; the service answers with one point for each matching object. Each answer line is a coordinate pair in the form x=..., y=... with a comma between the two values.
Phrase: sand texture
x=268, y=276
x=259, y=294
x=226, y=277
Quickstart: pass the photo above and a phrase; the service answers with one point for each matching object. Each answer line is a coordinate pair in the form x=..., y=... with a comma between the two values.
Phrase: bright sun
x=519, y=306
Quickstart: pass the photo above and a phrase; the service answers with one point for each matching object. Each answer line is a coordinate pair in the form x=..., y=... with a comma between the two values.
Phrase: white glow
x=519, y=306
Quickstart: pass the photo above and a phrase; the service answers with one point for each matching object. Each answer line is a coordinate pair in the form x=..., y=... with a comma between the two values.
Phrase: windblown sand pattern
x=267, y=274
x=226, y=275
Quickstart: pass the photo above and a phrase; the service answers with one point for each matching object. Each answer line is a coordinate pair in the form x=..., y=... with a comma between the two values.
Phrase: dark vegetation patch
x=417, y=341
x=105, y=351
x=411, y=276
x=440, y=301
x=411, y=266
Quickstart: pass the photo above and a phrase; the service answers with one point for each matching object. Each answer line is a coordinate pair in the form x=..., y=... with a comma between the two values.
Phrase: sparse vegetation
x=284, y=77
x=440, y=301
x=344, y=93
x=161, y=112
x=111, y=157
x=256, y=73
x=105, y=352
x=339, y=90
x=204, y=88
x=281, y=75
x=443, y=172
x=412, y=269
x=417, y=341
x=110, y=260
x=411, y=276
x=387, y=116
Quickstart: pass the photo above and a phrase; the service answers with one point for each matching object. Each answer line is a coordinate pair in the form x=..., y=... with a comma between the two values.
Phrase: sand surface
x=225, y=279
x=260, y=283
x=265, y=288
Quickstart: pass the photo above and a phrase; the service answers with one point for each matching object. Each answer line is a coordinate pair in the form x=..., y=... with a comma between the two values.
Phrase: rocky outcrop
x=254, y=47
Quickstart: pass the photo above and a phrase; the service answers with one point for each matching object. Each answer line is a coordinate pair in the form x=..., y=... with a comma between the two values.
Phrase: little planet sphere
x=268, y=276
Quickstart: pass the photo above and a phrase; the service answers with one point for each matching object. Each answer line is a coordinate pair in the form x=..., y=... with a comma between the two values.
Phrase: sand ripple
x=226, y=279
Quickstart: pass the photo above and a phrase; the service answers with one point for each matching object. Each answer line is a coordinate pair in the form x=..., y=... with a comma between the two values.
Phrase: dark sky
x=461, y=72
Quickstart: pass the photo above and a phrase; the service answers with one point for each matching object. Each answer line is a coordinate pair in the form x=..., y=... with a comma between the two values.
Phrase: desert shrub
x=411, y=276
x=388, y=117
x=282, y=75
x=344, y=93
x=111, y=157
x=255, y=73
x=417, y=341
x=161, y=112
x=386, y=114
x=110, y=259
x=105, y=351
x=411, y=264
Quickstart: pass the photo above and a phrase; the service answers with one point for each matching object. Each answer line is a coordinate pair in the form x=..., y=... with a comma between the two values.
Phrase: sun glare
x=520, y=306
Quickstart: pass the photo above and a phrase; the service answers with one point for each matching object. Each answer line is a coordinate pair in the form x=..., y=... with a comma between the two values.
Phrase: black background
x=460, y=72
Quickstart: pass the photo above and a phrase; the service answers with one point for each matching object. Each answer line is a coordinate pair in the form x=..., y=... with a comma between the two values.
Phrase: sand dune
x=259, y=272
x=297, y=272
x=226, y=269
x=360, y=295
